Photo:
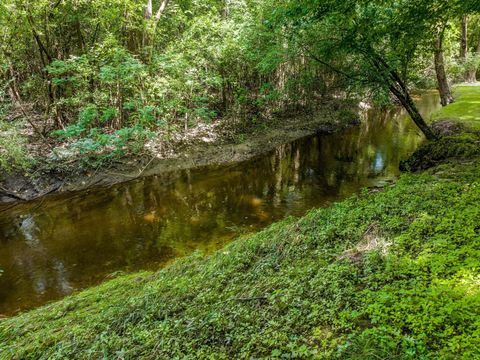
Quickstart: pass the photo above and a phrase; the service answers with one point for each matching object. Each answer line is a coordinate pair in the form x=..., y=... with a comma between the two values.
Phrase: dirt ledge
x=21, y=188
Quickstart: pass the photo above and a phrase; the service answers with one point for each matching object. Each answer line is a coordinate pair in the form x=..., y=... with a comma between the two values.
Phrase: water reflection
x=52, y=247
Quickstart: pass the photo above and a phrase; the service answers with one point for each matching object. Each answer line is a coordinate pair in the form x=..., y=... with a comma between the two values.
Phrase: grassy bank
x=466, y=107
x=458, y=125
x=389, y=274
x=392, y=273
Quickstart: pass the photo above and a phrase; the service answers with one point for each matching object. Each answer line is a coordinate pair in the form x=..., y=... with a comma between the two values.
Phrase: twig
x=251, y=298
x=12, y=194
x=146, y=166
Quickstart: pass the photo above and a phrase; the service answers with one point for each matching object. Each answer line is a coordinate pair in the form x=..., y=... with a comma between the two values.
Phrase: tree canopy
x=104, y=74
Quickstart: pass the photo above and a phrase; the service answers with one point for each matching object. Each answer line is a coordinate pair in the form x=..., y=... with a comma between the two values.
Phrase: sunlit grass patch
x=465, y=109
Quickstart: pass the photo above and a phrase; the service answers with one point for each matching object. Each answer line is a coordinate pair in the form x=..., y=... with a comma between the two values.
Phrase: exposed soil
x=446, y=127
x=454, y=142
x=208, y=145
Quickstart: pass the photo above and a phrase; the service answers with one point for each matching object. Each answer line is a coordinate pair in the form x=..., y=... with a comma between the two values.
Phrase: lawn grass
x=466, y=107
x=381, y=275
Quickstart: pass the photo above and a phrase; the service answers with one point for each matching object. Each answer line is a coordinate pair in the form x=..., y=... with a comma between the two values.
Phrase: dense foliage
x=107, y=73
x=384, y=274
x=107, y=76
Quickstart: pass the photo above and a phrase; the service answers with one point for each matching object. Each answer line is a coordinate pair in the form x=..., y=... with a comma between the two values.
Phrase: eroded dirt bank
x=207, y=147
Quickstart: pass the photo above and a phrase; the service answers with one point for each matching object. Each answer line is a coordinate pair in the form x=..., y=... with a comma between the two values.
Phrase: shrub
x=13, y=148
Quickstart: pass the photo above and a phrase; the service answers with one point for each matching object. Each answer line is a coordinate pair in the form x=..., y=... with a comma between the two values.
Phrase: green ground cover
x=393, y=273
x=384, y=274
x=458, y=125
x=466, y=107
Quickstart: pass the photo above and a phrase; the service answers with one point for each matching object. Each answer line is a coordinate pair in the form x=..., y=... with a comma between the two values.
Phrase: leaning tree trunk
x=399, y=89
x=442, y=81
x=407, y=102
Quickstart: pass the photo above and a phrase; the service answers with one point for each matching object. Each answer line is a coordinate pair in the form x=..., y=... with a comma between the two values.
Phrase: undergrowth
x=393, y=274
x=462, y=146
x=14, y=155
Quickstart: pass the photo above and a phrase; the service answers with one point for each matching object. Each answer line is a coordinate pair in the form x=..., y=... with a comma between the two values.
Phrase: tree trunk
x=442, y=81
x=464, y=39
x=148, y=36
x=148, y=12
x=472, y=74
x=160, y=11
x=158, y=15
x=469, y=75
x=397, y=87
x=400, y=90
x=14, y=93
x=407, y=102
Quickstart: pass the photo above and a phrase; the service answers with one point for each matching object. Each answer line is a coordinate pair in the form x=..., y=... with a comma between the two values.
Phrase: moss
x=457, y=126
x=460, y=146
x=290, y=291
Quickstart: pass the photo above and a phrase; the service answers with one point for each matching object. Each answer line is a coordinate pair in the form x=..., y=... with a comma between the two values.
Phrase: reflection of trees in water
x=44, y=275
x=155, y=219
x=363, y=153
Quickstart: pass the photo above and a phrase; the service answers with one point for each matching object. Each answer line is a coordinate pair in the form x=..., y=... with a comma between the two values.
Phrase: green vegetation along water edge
x=391, y=273
x=87, y=86
x=457, y=125
x=465, y=109
x=219, y=144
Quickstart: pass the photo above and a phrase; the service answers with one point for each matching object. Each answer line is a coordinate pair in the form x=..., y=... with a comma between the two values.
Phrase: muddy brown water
x=57, y=245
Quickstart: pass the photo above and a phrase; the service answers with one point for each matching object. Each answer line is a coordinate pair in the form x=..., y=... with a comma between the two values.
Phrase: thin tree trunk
x=399, y=88
x=147, y=15
x=396, y=86
x=464, y=39
x=469, y=74
x=442, y=81
x=14, y=93
x=148, y=36
x=160, y=11
x=148, y=12
x=46, y=58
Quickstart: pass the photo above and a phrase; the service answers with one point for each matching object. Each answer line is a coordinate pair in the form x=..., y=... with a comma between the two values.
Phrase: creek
x=54, y=246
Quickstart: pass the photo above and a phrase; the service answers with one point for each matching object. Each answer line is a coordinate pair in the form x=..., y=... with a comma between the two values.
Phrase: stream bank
x=386, y=273
x=59, y=244
x=202, y=146
x=379, y=275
